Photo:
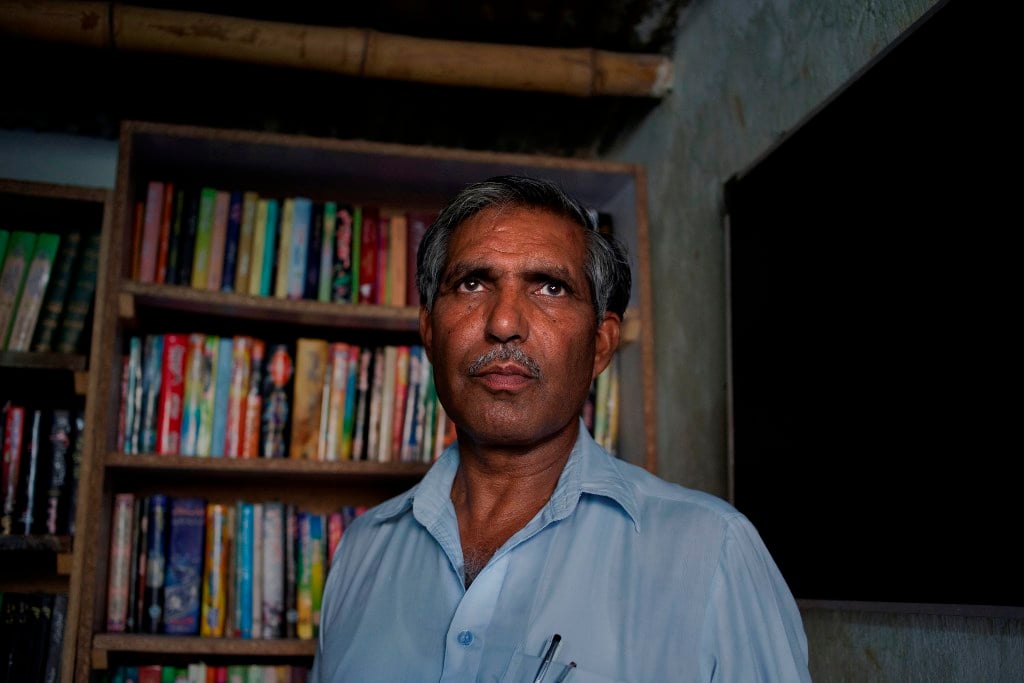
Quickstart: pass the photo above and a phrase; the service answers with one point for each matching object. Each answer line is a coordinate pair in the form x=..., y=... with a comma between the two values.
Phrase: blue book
x=299, y=247
x=183, y=585
x=152, y=374
x=270, y=247
x=222, y=388
x=227, y=279
x=243, y=570
x=157, y=527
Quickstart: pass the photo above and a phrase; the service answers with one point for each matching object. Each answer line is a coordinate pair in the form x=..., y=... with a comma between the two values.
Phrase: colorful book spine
x=317, y=570
x=120, y=562
x=271, y=240
x=232, y=241
x=218, y=239
x=243, y=572
x=335, y=386
x=278, y=380
x=189, y=233
x=361, y=420
x=311, y=356
x=291, y=534
x=246, y=233
x=133, y=398
x=190, y=417
x=204, y=237
x=335, y=529
x=253, y=417
x=214, y=598
x=368, y=244
x=137, y=584
x=150, y=245
x=297, y=248
x=327, y=242
x=273, y=569
x=259, y=241
x=152, y=377
x=172, y=394
x=221, y=395
x=256, y=627
x=284, y=250
x=33, y=291
x=158, y=528
x=164, y=240
x=314, y=250
x=304, y=578
x=27, y=520
x=351, y=396
x=208, y=395
x=238, y=390
x=183, y=586
x=71, y=334
x=20, y=248
x=343, y=287
x=44, y=336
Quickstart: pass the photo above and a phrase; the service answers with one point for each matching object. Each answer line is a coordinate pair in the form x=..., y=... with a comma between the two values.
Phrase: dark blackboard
x=874, y=300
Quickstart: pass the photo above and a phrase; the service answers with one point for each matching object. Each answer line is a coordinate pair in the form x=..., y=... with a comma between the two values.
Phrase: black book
x=58, y=615
x=314, y=250
x=174, y=237
x=61, y=443
x=278, y=384
x=227, y=279
x=76, y=468
x=187, y=238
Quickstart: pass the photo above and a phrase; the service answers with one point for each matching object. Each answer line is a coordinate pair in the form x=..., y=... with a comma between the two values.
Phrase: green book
x=4, y=237
x=34, y=288
x=204, y=237
x=21, y=246
x=79, y=302
x=44, y=335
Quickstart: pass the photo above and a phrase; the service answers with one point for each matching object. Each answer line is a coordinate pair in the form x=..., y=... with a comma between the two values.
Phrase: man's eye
x=469, y=285
x=553, y=289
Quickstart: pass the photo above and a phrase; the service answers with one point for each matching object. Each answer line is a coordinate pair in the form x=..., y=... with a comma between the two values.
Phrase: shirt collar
x=590, y=469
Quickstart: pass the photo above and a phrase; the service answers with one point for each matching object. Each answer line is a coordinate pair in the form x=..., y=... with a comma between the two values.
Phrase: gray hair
x=606, y=267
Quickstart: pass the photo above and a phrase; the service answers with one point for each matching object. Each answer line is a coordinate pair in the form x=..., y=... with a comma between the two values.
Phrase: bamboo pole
x=582, y=72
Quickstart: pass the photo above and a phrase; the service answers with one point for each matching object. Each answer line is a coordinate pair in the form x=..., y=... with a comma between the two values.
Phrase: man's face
x=512, y=336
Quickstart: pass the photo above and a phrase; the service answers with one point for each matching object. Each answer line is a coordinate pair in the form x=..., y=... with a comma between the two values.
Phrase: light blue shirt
x=643, y=579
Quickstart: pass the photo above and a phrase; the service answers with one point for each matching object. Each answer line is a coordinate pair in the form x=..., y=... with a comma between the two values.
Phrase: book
x=368, y=245
x=253, y=417
x=20, y=249
x=418, y=223
x=154, y=569
x=43, y=337
x=137, y=570
x=317, y=568
x=403, y=361
x=189, y=232
x=5, y=235
x=36, y=475
x=278, y=381
x=270, y=242
x=361, y=419
x=332, y=419
x=172, y=394
x=152, y=377
x=13, y=439
x=70, y=335
x=33, y=290
x=246, y=235
x=149, y=246
x=382, y=284
x=133, y=397
x=139, y=219
x=54, y=651
x=214, y=595
x=238, y=391
x=121, y=549
x=291, y=535
x=298, y=246
x=256, y=627
x=351, y=398
x=183, y=584
x=375, y=405
x=77, y=452
x=243, y=571
x=221, y=395
x=335, y=529
x=232, y=242
x=345, y=269
x=327, y=242
x=398, y=280
x=314, y=250
x=273, y=569
x=61, y=442
x=164, y=241
x=283, y=252
x=311, y=357
x=304, y=577
x=218, y=239
x=174, y=237
x=387, y=397
x=204, y=237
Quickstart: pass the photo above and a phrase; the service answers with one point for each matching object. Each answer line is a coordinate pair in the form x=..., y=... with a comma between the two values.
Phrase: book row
x=31, y=636
x=42, y=455
x=290, y=247
x=47, y=282
x=242, y=397
x=601, y=410
x=188, y=566
x=200, y=672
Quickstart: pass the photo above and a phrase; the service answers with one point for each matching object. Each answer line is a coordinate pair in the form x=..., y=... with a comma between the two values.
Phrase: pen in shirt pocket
x=549, y=656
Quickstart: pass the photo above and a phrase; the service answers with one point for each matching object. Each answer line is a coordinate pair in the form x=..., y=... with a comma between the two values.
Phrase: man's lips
x=504, y=376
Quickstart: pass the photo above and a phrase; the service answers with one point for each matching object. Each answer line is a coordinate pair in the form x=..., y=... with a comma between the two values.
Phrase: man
x=526, y=528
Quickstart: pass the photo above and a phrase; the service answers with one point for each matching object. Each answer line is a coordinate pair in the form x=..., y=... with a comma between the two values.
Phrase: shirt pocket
x=523, y=669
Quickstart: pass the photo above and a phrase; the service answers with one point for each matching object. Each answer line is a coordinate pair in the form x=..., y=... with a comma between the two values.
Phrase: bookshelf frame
x=411, y=177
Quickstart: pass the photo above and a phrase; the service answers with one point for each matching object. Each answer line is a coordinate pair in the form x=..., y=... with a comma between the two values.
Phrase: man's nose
x=506, y=317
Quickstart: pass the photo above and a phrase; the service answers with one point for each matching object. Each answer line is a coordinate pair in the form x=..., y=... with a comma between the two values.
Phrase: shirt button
x=465, y=638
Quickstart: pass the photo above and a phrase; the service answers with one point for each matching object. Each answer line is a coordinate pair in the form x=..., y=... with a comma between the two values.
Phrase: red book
x=164, y=244
x=253, y=401
x=172, y=394
x=368, y=245
x=14, y=434
x=238, y=392
x=149, y=247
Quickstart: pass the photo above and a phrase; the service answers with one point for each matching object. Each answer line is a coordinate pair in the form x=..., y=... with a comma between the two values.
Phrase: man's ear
x=426, y=333
x=607, y=338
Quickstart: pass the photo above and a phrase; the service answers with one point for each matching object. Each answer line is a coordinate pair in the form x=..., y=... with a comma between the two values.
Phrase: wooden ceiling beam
x=581, y=72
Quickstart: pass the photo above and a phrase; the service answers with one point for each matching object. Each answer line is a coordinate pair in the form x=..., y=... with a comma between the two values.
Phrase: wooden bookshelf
x=407, y=177
x=48, y=380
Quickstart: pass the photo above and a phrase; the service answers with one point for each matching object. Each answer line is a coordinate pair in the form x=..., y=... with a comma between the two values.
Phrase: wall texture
x=747, y=71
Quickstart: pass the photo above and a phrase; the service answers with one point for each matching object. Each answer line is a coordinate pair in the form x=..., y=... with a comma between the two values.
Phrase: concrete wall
x=748, y=70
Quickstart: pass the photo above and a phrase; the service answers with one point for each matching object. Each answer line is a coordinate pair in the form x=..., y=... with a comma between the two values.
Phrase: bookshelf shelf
x=403, y=179
x=36, y=360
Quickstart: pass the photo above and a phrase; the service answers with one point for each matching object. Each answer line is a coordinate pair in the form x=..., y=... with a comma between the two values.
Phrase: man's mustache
x=504, y=352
